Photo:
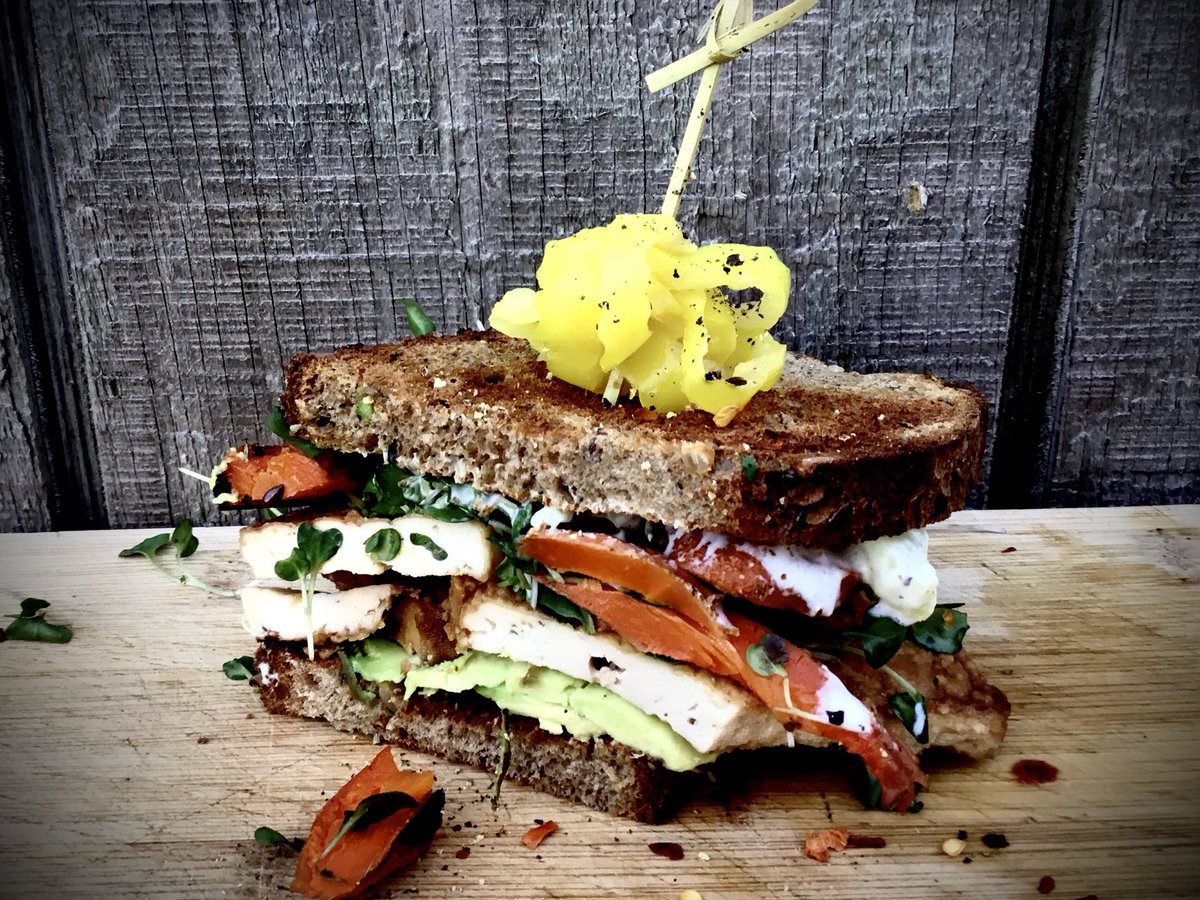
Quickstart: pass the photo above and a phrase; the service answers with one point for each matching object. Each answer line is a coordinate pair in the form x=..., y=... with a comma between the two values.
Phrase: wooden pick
x=731, y=29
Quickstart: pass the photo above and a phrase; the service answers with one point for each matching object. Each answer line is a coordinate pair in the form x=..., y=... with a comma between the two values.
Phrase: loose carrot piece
x=621, y=564
x=538, y=833
x=359, y=858
x=274, y=476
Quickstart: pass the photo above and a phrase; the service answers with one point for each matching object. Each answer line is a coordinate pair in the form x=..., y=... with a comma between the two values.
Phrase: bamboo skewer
x=731, y=29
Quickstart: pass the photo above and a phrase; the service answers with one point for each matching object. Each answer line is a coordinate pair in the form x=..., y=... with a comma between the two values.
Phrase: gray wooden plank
x=1126, y=413
x=43, y=313
x=25, y=481
x=241, y=181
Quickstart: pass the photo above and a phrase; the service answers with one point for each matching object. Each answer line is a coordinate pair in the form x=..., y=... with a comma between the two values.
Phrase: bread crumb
x=690, y=895
x=818, y=844
x=953, y=846
x=703, y=857
x=440, y=383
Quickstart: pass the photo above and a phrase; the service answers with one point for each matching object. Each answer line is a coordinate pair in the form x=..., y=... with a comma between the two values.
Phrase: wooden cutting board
x=131, y=766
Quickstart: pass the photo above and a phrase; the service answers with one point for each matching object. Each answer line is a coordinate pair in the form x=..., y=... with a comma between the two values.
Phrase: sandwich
x=629, y=539
x=531, y=582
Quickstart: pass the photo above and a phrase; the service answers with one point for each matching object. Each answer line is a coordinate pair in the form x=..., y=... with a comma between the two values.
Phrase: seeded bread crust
x=842, y=457
x=465, y=729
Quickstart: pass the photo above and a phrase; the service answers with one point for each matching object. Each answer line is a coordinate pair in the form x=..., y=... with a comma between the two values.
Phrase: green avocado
x=558, y=701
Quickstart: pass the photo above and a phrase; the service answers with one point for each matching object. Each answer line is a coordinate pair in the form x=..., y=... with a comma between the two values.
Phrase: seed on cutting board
x=953, y=846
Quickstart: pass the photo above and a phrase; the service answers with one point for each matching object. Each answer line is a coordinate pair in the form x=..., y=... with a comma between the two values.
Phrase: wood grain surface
x=130, y=766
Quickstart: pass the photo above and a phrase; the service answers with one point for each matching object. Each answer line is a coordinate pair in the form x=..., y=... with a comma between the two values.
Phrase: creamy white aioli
x=899, y=572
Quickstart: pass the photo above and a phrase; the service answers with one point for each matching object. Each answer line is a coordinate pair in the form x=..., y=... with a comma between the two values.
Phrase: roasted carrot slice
x=534, y=836
x=361, y=858
x=621, y=564
x=810, y=583
x=276, y=476
x=652, y=629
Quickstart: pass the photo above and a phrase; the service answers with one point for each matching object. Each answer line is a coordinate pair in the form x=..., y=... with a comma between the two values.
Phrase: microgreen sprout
x=239, y=669
x=369, y=811
x=423, y=540
x=269, y=837
x=749, y=466
x=184, y=544
x=279, y=427
x=502, y=759
x=418, y=322
x=313, y=549
x=31, y=624
x=383, y=545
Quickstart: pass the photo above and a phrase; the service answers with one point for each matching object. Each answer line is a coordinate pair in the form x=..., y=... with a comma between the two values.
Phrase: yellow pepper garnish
x=636, y=302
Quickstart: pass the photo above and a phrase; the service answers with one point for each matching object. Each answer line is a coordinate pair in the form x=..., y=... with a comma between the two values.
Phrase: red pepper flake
x=1009, y=550
x=462, y=852
x=1046, y=885
x=538, y=833
x=669, y=849
x=993, y=840
x=818, y=844
x=1034, y=771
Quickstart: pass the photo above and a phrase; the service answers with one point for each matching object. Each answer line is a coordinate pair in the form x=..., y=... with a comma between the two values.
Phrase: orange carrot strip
x=351, y=864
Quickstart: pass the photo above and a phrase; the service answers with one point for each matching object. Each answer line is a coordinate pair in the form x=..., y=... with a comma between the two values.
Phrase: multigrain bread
x=466, y=729
x=841, y=457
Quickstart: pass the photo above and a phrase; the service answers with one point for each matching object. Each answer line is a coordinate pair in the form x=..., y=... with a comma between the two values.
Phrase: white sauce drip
x=812, y=574
x=833, y=696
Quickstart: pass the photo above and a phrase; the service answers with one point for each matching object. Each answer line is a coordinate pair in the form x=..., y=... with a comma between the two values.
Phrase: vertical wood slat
x=1102, y=381
x=1126, y=413
x=47, y=479
x=25, y=495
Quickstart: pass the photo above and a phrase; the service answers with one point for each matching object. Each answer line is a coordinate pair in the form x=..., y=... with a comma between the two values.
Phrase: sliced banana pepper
x=684, y=326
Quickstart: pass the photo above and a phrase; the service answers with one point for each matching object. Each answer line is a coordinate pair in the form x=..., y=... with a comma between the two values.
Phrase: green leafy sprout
x=31, y=624
x=314, y=547
x=370, y=810
x=184, y=543
x=383, y=545
x=769, y=656
x=879, y=640
x=279, y=427
x=503, y=757
x=269, y=837
x=239, y=669
x=436, y=550
x=418, y=322
x=749, y=466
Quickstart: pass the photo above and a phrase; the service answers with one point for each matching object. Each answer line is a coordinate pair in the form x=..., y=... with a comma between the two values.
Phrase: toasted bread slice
x=466, y=729
x=841, y=457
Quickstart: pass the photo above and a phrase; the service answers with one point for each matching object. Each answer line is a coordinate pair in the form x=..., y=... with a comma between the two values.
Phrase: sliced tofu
x=467, y=548
x=712, y=714
x=342, y=616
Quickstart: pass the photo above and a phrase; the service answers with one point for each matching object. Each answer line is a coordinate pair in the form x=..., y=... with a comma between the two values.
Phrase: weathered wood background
x=194, y=191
